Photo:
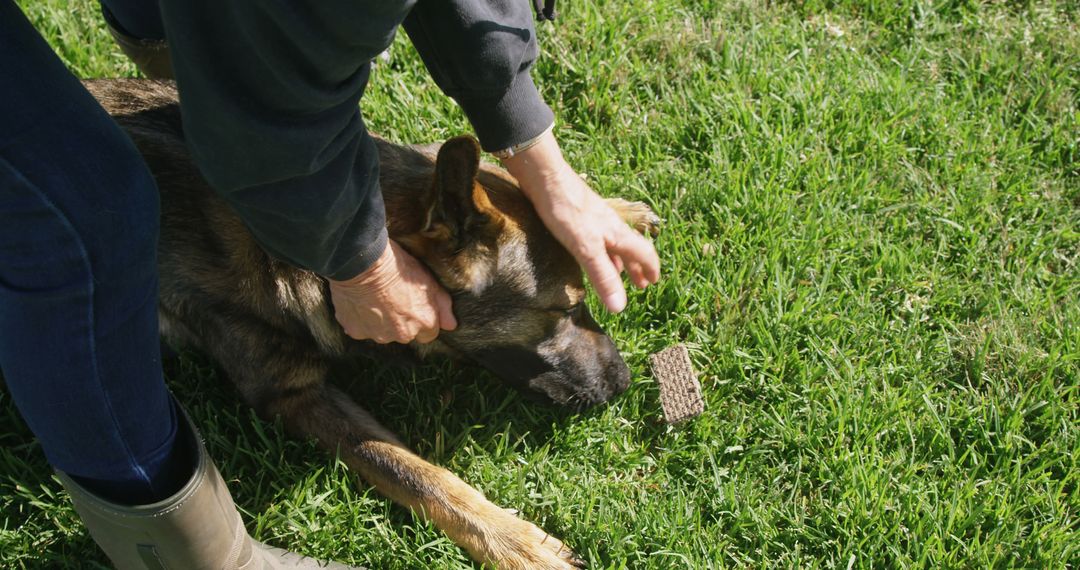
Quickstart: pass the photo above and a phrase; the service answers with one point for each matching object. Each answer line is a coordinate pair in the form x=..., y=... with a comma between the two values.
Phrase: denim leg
x=138, y=18
x=78, y=279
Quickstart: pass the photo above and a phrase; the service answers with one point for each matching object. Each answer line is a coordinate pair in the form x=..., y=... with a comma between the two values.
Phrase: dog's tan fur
x=271, y=327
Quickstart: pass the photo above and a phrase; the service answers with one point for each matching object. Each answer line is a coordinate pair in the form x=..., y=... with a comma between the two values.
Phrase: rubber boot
x=150, y=56
x=196, y=528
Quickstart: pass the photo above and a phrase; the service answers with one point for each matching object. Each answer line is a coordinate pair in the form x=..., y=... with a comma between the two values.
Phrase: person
x=269, y=98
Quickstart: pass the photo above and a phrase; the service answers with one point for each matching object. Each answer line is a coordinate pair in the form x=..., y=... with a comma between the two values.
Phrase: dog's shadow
x=436, y=408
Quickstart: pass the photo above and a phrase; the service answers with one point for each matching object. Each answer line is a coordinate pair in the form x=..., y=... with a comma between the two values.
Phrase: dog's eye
x=571, y=311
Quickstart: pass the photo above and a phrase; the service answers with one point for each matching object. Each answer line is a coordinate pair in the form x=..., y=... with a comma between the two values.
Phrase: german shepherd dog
x=517, y=297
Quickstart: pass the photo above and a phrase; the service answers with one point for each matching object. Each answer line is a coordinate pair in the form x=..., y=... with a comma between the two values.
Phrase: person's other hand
x=395, y=300
x=583, y=223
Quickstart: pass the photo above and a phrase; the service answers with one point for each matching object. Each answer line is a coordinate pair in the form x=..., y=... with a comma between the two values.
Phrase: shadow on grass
x=436, y=408
x=448, y=413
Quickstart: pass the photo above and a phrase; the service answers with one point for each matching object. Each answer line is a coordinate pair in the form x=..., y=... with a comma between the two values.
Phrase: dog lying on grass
x=517, y=294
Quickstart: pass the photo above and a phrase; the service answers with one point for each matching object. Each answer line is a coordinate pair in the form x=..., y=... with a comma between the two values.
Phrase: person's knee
x=85, y=176
x=121, y=228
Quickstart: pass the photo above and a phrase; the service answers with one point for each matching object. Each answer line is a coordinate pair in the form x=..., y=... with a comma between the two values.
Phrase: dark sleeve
x=269, y=92
x=480, y=53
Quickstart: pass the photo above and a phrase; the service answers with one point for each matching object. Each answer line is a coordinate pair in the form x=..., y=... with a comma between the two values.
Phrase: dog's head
x=518, y=294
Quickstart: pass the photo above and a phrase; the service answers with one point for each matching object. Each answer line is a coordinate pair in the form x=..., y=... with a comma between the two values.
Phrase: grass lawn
x=872, y=249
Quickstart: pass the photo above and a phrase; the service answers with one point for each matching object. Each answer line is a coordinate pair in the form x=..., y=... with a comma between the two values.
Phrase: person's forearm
x=269, y=104
x=480, y=54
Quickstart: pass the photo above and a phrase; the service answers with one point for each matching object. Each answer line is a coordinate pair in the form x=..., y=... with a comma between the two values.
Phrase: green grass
x=872, y=247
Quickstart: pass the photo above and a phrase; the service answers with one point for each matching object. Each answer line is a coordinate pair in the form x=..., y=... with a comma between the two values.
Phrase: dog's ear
x=456, y=204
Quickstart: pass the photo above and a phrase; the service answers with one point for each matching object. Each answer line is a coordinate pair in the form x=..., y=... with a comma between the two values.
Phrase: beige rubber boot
x=197, y=528
x=150, y=56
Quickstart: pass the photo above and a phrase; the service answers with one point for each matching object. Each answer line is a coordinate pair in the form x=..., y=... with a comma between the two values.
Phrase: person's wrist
x=543, y=174
x=514, y=150
x=379, y=274
x=542, y=160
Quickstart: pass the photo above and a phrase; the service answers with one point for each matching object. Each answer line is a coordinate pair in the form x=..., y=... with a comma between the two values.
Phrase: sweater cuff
x=512, y=117
x=366, y=255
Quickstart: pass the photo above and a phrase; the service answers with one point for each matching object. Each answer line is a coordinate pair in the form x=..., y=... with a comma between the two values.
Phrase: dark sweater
x=269, y=92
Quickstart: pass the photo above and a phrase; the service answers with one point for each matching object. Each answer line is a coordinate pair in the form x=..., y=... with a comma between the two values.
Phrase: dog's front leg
x=637, y=214
x=489, y=533
x=281, y=375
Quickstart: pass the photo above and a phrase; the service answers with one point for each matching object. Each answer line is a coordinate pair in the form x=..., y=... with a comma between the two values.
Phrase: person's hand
x=603, y=244
x=395, y=300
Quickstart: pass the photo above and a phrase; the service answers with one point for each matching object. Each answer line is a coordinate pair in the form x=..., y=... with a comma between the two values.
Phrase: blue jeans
x=79, y=345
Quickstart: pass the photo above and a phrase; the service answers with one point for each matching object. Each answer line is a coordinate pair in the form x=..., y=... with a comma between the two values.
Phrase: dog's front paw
x=552, y=551
x=638, y=214
x=516, y=544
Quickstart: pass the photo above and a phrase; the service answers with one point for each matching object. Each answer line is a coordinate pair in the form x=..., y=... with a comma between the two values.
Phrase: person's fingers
x=605, y=279
x=636, y=275
x=445, y=307
x=651, y=270
x=635, y=249
x=426, y=335
x=423, y=327
x=406, y=331
x=618, y=263
x=343, y=318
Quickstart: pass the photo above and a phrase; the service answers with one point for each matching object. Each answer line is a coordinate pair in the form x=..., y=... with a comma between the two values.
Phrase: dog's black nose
x=614, y=373
x=618, y=375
